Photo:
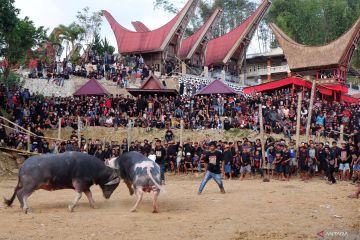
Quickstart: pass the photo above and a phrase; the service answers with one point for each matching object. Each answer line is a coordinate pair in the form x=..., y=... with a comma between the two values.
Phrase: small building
x=153, y=86
x=266, y=67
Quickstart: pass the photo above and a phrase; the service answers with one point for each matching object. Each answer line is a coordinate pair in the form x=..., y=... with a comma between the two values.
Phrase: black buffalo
x=69, y=170
x=140, y=174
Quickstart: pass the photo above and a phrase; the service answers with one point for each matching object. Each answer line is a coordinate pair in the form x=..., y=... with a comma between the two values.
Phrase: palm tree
x=72, y=34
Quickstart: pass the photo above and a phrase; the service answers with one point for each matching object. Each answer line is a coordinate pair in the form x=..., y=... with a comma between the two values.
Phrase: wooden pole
x=312, y=95
x=25, y=130
x=298, y=120
x=261, y=123
x=181, y=132
x=341, y=133
x=78, y=132
x=129, y=134
x=59, y=129
x=28, y=139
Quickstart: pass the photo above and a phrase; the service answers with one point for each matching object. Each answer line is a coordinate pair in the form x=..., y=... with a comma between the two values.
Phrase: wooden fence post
x=129, y=133
x=59, y=129
x=181, y=132
x=28, y=140
x=341, y=133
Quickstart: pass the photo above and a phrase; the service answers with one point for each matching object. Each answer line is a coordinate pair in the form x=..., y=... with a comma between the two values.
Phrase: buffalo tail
x=10, y=201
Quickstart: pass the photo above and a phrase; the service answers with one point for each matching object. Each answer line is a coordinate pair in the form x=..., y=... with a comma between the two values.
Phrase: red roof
x=216, y=87
x=350, y=99
x=219, y=48
x=140, y=27
x=150, y=86
x=323, y=89
x=192, y=42
x=91, y=88
x=152, y=83
x=151, y=41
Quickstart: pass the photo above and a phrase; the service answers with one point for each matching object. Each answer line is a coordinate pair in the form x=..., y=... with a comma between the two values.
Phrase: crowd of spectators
x=121, y=70
x=197, y=112
x=283, y=159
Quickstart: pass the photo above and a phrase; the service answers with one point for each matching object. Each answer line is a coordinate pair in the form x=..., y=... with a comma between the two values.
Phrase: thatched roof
x=335, y=53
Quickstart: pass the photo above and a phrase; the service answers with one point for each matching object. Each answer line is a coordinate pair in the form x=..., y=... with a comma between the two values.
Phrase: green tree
x=72, y=33
x=234, y=12
x=17, y=38
x=90, y=22
x=102, y=45
x=315, y=22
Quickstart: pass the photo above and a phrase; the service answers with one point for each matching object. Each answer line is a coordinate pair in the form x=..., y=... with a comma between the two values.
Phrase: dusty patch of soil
x=250, y=209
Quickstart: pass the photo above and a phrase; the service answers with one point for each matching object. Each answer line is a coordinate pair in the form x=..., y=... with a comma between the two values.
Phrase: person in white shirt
x=152, y=156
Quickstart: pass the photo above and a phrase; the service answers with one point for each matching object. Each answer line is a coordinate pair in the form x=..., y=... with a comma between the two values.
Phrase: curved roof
x=221, y=49
x=337, y=52
x=140, y=27
x=191, y=43
x=152, y=41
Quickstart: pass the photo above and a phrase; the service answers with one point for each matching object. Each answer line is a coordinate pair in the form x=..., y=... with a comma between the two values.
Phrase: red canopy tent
x=91, y=88
x=216, y=87
x=325, y=89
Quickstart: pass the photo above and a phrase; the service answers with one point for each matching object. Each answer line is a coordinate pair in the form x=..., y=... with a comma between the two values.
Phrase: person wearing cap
x=228, y=160
x=213, y=160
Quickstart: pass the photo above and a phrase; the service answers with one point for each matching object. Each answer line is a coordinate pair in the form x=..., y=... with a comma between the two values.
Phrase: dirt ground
x=250, y=209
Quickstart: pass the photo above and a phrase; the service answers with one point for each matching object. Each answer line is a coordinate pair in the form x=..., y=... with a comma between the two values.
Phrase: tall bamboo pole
x=298, y=119
x=312, y=95
x=59, y=129
x=341, y=133
x=78, y=132
x=261, y=122
x=28, y=139
x=129, y=134
x=181, y=132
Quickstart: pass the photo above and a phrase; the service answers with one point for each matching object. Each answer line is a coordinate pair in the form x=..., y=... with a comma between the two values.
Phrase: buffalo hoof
x=27, y=210
x=71, y=208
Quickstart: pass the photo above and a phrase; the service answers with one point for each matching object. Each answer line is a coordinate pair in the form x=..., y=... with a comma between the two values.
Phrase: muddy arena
x=250, y=209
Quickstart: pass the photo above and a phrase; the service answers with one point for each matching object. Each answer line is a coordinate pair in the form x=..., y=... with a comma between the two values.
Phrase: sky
x=51, y=13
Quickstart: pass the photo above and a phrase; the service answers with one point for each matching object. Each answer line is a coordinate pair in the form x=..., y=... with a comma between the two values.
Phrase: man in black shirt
x=213, y=161
x=160, y=153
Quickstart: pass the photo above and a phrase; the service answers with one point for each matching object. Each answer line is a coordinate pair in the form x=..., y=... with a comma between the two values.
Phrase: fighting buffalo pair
x=79, y=171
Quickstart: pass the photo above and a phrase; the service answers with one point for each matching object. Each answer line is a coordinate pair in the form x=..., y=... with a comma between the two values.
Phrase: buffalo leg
x=19, y=196
x=139, y=194
x=76, y=200
x=90, y=198
x=155, y=197
x=129, y=185
x=26, y=208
